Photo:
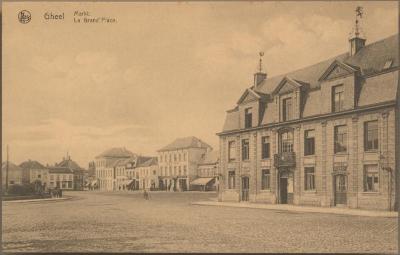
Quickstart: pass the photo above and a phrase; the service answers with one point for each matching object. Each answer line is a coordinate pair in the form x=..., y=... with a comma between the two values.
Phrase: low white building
x=61, y=177
x=207, y=172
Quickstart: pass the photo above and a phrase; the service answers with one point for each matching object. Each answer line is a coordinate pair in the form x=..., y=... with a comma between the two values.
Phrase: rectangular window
x=231, y=151
x=265, y=179
x=340, y=139
x=309, y=142
x=287, y=109
x=248, y=118
x=309, y=178
x=231, y=179
x=371, y=140
x=371, y=178
x=245, y=149
x=337, y=98
x=265, y=150
x=286, y=141
x=184, y=156
x=184, y=170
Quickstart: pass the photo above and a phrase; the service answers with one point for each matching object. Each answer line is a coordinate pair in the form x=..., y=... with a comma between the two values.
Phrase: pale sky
x=164, y=70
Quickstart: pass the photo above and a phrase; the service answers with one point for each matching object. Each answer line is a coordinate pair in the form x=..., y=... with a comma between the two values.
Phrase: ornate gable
x=248, y=96
x=337, y=69
x=287, y=85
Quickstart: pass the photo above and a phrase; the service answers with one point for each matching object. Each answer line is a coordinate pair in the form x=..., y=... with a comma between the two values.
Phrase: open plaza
x=94, y=221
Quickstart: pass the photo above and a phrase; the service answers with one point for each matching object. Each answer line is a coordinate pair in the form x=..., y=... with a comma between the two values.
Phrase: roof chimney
x=357, y=40
x=260, y=75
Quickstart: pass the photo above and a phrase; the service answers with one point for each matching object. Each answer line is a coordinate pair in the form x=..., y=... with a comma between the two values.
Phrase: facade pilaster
x=297, y=171
x=325, y=201
x=354, y=175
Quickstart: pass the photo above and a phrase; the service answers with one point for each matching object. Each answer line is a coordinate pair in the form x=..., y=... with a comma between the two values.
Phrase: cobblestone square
x=125, y=222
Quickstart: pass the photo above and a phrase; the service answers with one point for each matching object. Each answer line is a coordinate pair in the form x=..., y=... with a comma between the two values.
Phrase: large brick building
x=324, y=135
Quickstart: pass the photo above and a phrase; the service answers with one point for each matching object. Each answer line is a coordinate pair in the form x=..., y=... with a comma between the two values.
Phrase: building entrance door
x=340, y=187
x=245, y=188
x=283, y=183
x=182, y=184
x=286, y=187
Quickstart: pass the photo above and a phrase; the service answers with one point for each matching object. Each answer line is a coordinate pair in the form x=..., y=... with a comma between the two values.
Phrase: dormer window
x=287, y=109
x=248, y=118
x=337, y=98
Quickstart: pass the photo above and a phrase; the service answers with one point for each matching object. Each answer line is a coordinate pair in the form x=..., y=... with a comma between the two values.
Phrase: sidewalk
x=38, y=200
x=295, y=208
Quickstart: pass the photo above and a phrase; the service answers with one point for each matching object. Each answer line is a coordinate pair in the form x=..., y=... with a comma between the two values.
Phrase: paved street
x=96, y=221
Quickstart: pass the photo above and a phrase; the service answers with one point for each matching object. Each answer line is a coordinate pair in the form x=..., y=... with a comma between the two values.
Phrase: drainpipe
x=255, y=164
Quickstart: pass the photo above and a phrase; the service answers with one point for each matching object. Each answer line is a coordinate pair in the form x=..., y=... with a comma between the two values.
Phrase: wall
x=323, y=161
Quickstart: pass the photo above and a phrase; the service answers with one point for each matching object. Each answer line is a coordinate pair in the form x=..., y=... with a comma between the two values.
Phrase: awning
x=93, y=182
x=201, y=181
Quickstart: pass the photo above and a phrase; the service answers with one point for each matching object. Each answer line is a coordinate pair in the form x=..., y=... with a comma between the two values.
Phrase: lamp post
x=7, y=172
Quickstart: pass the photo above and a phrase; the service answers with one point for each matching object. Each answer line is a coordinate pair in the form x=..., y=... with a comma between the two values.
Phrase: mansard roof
x=231, y=120
x=380, y=57
x=370, y=59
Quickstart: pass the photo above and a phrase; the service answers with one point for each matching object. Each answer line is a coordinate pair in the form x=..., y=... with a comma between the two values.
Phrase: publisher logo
x=24, y=16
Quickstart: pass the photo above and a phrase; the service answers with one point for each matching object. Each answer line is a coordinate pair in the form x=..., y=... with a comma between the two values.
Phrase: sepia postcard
x=200, y=127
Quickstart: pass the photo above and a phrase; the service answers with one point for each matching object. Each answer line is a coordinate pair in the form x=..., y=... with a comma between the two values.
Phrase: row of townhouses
x=324, y=135
x=185, y=164
x=66, y=175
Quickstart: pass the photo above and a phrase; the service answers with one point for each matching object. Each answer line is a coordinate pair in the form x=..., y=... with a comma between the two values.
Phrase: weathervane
x=359, y=13
x=260, y=64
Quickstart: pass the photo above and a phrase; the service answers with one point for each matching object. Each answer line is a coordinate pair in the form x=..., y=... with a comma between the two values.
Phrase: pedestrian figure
x=145, y=194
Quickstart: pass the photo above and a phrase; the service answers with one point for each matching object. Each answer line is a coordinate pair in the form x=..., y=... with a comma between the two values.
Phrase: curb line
x=39, y=200
x=304, y=210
